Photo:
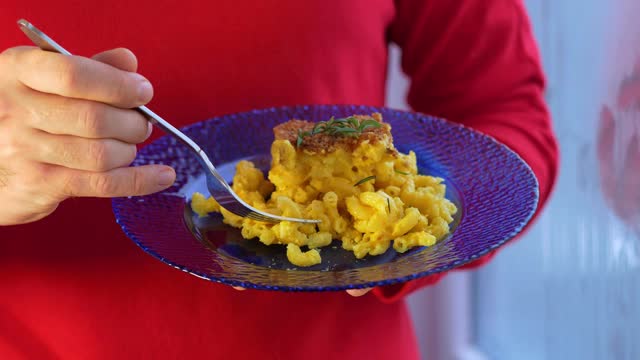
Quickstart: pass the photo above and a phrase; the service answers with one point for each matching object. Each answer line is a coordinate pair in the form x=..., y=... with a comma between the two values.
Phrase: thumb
x=120, y=58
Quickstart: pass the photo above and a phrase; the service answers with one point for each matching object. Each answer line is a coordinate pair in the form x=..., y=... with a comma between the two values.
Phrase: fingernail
x=145, y=90
x=166, y=177
x=149, y=130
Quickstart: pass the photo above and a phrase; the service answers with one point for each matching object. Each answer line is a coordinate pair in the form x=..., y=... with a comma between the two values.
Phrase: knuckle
x=11, y=55
x=137, y=182
x=11, y=62
x=35, y=184
x=90, y=120
x=10, y=146
x=67, y=150
x=99, y=155
x=7, y=57
x=67, y=73
x=35, y=175
x=66, y=70
x=68, y=184
x=103, y=184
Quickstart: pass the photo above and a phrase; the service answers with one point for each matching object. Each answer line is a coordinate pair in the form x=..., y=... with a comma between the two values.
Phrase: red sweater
x=72, y=286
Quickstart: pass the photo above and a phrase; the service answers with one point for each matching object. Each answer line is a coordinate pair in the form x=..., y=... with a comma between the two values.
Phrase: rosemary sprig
x=364, y=180
x=401, y=172
x=349, y=126
x=389, y=205
x=301, y=134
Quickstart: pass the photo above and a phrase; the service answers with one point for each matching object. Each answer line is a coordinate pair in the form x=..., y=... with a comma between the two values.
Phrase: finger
x=79, y=153
x=123, y=59
x=81, y=78
x=121, y=182
x=120, y=58
x=358, y=292
x=58, y=115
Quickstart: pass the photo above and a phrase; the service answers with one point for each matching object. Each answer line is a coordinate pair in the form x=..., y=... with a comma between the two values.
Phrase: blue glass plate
x=495, y=191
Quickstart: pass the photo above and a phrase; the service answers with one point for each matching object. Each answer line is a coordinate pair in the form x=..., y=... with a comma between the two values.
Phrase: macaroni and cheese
x=348, y=174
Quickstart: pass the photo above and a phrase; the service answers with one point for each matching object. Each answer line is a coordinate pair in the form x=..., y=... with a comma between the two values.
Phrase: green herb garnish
x=389, y=205
x=401, y=172
x=362, y=181
x=301, y=134
x=349, y=126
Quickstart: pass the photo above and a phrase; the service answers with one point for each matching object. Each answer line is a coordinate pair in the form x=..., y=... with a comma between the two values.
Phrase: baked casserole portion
x=348, y=174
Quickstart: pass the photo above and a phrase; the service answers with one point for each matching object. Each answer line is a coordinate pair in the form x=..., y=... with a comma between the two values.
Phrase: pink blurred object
x=619, y=151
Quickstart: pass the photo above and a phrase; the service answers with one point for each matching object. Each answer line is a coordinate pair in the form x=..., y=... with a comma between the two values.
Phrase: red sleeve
x=476, y=62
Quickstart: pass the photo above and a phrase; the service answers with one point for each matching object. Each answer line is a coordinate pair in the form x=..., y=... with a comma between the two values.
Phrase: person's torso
x=73, y=286
x=208, y=58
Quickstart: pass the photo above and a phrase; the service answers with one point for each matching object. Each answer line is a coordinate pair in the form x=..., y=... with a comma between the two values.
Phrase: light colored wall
x=571, y=288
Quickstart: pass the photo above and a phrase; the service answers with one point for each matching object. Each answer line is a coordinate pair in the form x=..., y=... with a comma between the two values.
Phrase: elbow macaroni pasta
x=398, y=208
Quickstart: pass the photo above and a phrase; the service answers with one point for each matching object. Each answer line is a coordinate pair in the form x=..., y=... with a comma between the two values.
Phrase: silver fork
x=218, y=187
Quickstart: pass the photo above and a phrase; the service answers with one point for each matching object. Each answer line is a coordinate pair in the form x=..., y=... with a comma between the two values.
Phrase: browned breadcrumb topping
x=325, y=143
